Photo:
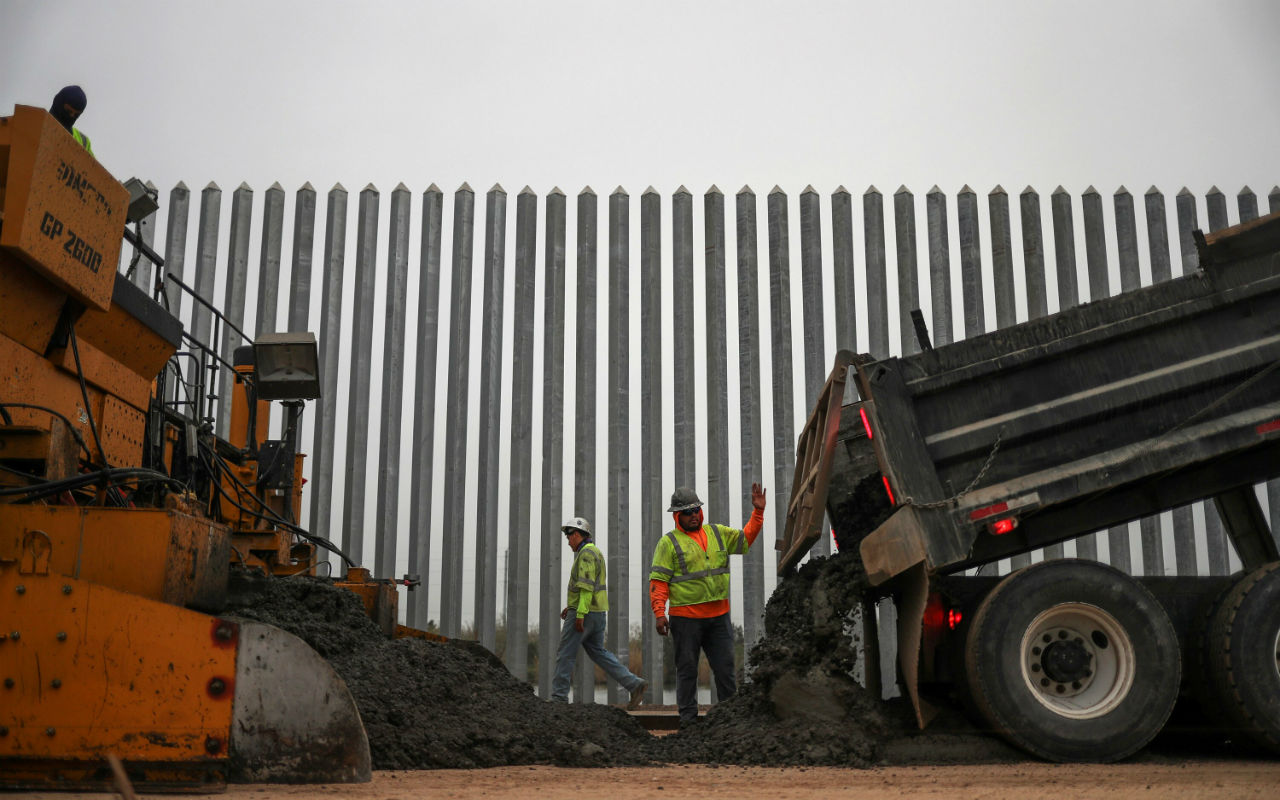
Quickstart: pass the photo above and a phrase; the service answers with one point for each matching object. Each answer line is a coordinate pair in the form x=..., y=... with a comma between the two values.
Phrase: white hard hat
x=577, y=524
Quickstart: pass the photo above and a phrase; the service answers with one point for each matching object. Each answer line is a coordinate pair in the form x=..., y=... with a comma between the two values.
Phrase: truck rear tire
x=1073, y=660
x=1242, y=657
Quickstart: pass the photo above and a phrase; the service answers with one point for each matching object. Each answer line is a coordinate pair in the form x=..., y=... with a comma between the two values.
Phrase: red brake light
x=953, y=618
x=1264, y=428
x=1003, y=526
x=889, y=491
x=988, y=511
x=865, y=422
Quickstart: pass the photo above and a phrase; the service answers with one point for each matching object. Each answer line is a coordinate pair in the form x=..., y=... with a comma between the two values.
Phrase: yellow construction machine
x=121, y=514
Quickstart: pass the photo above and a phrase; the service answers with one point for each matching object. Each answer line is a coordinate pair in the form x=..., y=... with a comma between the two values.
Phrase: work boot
x=637, y=695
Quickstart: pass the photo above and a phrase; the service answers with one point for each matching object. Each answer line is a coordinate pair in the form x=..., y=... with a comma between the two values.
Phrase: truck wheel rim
x=1077, y=660
x=1277, y=651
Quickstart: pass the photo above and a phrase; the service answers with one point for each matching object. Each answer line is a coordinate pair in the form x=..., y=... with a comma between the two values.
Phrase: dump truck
x=936, y=466
x=122, y=513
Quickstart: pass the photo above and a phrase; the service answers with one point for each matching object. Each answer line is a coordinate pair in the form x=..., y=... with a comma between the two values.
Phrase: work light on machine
x=287, y=366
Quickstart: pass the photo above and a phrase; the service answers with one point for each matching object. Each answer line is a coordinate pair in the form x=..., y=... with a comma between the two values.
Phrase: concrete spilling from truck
x=431, y=705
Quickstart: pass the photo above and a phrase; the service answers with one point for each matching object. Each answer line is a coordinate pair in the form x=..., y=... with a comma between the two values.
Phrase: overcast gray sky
x=1017, y=92
x=607, y=93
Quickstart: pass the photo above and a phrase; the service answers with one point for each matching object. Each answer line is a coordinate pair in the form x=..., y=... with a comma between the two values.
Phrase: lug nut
x=1061, y=688
x=1075, y=685
x=1035, y=651
x=1044, y=681
x=1035, y=667
x=1047, y=638
x=1063, y=634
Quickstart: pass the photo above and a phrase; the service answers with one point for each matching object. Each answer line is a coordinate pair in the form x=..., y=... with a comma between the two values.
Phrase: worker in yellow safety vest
x=690, y=572
x=68, y=104
x=584, y=618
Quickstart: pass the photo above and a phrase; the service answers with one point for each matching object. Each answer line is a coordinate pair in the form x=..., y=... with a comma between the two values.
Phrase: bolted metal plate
x=294, y=721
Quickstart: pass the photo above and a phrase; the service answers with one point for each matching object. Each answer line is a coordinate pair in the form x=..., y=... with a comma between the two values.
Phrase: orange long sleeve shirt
x=660, y=590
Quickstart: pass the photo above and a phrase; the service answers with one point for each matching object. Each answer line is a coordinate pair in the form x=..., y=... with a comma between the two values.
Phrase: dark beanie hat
x=68, y=95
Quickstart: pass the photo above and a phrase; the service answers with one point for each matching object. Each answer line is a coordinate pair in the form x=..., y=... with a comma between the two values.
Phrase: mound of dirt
x=430, y=705
x=801, y=703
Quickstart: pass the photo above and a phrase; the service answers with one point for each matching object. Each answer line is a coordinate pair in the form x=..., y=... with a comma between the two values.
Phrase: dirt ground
x=1024, y=781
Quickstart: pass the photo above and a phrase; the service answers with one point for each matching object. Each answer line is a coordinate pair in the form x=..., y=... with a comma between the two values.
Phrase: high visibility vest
x=82, y=140
x=588, y=575
x=696, y=575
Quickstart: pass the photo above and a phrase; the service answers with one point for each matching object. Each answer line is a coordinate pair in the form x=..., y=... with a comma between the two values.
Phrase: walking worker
x=584, y=618
x=691, y=573
x=68, y=104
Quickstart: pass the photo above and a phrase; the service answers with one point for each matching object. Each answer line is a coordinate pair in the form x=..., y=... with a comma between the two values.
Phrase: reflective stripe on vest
x=685, y=574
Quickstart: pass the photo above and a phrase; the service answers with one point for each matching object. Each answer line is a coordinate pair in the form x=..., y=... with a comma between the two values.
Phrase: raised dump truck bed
x=1027, y=436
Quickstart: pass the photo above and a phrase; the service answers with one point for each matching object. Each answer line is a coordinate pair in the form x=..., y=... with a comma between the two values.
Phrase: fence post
x=717, y=373
x=752, y=465
x=844, y=270
x=683, y=378
x=1184, y=536
x=1247, y=202
x=520, y=519
x=584, y=461
x=619, y=480
x=904, y=232
x=335, y=248
x=393, y=370
x=975, y=320
x=783, y=403
x=815, y=361
x=877, y=275
x=233, y=299
x=1215, y=536
x=491, y=401
x=652, y=518
x=206, y=273
x=939, y=267
x=424, y=405
x=304, y=234
x=1033, y=254
x=1002, y=258
x=1095, y=252
x=175, y=246
x=353, y=508
x=269, y=260
x=552, y=440
x=456, y=401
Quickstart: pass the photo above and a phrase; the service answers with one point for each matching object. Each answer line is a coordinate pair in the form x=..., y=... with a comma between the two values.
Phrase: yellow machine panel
x=87, y=670
x=28, y=378
x=160, y=555
x=63, y=211
x=29, y=304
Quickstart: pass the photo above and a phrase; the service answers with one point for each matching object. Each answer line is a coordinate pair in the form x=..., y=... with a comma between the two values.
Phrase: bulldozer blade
x=293, y=720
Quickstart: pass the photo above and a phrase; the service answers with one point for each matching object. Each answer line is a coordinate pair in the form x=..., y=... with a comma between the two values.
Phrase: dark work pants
x=713, y=636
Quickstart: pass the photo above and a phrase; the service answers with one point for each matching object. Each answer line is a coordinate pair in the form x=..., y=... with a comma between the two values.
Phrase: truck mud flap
x=911, y=593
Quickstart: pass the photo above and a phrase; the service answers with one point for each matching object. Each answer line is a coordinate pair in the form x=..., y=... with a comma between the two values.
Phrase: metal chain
x=995, y=447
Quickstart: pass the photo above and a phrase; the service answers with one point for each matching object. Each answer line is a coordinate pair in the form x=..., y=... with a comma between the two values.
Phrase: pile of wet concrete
x=427, y=705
